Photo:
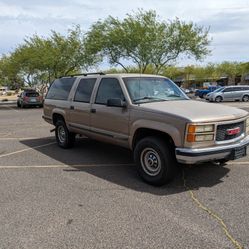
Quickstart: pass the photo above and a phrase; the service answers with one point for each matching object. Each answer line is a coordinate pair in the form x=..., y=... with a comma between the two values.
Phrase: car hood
x=195, y=111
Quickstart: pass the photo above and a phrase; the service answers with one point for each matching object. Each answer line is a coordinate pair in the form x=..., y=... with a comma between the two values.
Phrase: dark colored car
x=29, y=98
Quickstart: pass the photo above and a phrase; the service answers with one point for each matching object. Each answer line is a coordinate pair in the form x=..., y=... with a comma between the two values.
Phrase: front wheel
x=218, y=99
x=64, y=138
x=155, y=160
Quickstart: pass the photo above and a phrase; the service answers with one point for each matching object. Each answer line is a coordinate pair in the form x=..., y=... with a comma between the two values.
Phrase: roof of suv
x=116, y=75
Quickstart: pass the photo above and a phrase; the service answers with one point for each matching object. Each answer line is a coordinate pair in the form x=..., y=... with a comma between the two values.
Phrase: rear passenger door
x=80, y=105
x=109, y=123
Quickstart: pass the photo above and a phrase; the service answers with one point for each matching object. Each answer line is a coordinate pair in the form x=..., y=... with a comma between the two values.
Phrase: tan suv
x=148, y=114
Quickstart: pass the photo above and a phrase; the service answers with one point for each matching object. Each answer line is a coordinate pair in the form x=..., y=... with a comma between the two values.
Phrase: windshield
x=149, y=89
x=218, y=90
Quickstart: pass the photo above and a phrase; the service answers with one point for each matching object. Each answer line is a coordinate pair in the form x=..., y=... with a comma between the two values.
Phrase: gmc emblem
x=233, y=131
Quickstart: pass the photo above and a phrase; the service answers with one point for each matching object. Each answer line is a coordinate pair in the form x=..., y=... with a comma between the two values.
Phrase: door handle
x=93, y=110
x=71, y=107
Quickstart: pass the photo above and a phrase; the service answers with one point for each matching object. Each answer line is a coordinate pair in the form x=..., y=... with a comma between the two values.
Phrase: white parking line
x=11, y=108
x=64, y=166
x=237, y=163
x=23, y=138
x=20, y=151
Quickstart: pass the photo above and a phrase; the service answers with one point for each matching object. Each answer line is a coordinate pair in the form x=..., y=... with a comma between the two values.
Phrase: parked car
x=230, y=93
x=29, y=98
x=149, y=115
x=203, y=92
x=215, y=91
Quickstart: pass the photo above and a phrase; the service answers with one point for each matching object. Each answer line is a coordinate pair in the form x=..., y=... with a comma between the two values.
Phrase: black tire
x=64, y=138
x=18, y=104
x=218, y=99
x=204, y=95
x=245, y=98
x=153, y=150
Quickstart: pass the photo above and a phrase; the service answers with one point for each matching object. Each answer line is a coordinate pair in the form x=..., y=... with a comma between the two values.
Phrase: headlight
x=200, y=128
x=201, y=133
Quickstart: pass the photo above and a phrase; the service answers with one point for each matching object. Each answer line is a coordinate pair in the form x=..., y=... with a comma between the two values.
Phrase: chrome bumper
x=192, y=156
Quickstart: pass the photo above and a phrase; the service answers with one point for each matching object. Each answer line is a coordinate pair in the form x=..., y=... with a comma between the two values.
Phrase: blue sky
x=228, y=20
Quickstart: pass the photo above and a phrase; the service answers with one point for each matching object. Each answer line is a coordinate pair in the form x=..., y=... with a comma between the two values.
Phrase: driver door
x=109, y=123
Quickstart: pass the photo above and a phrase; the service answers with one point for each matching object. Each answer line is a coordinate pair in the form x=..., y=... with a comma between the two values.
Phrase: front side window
x=152, y=89
x=84, y=90
x=226, y=90
x=109, y=88
x=60, y=88
x=218, y=90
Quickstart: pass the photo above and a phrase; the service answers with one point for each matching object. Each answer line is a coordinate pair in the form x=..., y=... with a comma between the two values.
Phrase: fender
x=172, y=131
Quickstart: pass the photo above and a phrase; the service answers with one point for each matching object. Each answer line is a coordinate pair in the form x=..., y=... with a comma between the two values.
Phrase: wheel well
x=56, y=117
x=145, y=132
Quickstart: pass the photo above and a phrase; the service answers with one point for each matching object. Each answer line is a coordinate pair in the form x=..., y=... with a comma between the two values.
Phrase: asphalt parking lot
x=91, y=196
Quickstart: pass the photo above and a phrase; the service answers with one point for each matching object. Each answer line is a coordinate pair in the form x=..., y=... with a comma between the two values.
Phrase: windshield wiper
x=174, y=95
x=149, y=98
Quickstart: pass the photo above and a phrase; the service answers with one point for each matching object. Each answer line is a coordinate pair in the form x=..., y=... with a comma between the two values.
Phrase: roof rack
x=83, y=74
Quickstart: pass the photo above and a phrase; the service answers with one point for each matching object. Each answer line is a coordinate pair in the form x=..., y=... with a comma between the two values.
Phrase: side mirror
x=18, y=95
x=116, y=103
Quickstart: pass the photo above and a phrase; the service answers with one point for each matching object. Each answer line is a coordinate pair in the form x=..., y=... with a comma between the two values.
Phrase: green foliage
x=40, y=60
x=145, y=40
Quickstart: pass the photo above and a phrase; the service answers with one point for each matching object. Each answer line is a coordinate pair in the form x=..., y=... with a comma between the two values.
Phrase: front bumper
x=192, y=156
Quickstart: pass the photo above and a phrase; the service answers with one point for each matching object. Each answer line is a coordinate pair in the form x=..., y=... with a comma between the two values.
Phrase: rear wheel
x=155, y=160
x=218, y=99
x=245, y=98
x=64, y=138
x=18, y=104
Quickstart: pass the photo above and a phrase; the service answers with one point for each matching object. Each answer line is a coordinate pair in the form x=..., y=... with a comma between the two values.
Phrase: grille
x=221, y=134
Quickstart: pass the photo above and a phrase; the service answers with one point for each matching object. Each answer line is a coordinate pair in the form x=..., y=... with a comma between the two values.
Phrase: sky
x=228, y=21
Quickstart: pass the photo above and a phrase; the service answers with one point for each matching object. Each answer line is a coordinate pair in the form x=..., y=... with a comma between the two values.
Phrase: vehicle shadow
x=115, y=165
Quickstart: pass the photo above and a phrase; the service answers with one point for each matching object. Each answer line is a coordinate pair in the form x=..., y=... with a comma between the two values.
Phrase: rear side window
x=84, y=90
x=109, y=88
x=60, y=89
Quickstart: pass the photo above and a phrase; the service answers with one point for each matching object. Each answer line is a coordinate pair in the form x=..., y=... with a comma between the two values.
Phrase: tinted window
x=228, y=90
x=108, y=89
x=32, y=94
x=60, y=88
x=84, y=90
x=236, y=89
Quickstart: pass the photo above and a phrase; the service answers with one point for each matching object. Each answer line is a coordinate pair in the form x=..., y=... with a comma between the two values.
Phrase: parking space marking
x=24, y=150
x=238, y=163
x=66, y=166
x=24, y=138
x=10, y=108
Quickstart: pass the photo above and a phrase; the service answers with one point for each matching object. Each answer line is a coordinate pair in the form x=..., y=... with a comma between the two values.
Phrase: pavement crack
x=211, y=213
